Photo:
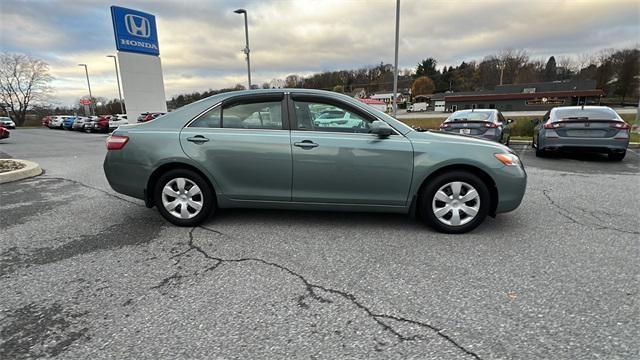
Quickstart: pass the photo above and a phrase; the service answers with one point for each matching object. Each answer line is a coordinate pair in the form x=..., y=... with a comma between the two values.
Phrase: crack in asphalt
x=564, y=212
x=45, y=177
x=312, y=292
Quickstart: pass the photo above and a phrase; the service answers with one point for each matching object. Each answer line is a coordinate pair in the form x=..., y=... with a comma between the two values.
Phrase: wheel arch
x=483, y=175
x=149, y=201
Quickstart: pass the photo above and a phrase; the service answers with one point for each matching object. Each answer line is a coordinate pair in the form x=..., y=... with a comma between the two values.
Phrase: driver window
x=326, y=117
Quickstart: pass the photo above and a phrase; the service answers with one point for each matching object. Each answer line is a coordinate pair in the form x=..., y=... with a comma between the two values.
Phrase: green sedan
x=264, y=149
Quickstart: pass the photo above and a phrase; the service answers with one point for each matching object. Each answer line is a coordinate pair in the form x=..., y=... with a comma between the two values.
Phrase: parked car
x=486, y=123
x=338, y=118
x=117, y=120
x=582, y=128
x=4, y=133
x=68, y=122
x=57, y=121
x=78, y=124
x=90, y=123
x=46, y=120
x=144, y=117
x=7, y=122
x=245, y=149
x=102, y=123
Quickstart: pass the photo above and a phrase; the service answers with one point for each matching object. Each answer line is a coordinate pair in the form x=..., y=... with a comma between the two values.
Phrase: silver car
x=582, y=128
x=7, y=122
x=485, y=123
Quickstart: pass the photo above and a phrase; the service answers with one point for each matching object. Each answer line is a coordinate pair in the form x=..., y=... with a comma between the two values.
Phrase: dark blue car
x=67, y=124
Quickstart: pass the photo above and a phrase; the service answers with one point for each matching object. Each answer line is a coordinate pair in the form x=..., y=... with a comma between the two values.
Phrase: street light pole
x=246, y=48
x=395, y=68
x=118, y=81
x=86, y=71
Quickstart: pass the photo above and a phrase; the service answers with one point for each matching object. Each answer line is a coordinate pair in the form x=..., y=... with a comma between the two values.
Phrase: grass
x=522, y=127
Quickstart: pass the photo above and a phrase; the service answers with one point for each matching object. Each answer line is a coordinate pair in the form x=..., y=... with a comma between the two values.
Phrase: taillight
x=620, y=125
x=116, y=142
x=553, y=125
x=491, y=125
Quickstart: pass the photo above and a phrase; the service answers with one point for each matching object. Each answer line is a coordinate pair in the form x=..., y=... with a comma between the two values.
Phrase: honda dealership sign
x=140, y=66
x=135, y=31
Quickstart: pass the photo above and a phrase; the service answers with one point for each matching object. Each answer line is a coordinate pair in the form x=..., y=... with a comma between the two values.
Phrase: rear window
x=587, y=114
x=470, y=116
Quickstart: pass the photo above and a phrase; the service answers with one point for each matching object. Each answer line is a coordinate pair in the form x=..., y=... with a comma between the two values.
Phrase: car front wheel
x=183, y=197
x=455, y=202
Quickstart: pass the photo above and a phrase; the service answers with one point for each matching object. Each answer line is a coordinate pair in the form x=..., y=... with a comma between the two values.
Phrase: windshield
x=470, y=116
x=586, y=114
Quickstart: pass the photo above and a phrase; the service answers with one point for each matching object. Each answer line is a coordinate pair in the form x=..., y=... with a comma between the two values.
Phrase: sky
x=201, y=41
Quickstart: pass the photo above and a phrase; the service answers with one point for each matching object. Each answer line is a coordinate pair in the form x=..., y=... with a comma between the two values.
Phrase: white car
x=56, y=121
x=117, y=120
x=341, y=119
x=7, y=122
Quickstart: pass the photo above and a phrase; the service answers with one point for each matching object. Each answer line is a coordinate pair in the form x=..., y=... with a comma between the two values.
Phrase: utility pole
x=86, y=71
x=395, y=68
x=118, y=80
x=246, y=48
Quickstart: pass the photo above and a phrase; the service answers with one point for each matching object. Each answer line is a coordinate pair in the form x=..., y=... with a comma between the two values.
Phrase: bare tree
x=24, y=81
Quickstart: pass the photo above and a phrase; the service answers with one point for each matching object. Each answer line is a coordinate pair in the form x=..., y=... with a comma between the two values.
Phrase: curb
x=30, y=170
x=633, y=145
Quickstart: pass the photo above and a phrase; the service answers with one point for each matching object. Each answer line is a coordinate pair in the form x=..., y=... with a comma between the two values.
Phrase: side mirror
x=382, y=129
x=535, y=121
x=509, y=121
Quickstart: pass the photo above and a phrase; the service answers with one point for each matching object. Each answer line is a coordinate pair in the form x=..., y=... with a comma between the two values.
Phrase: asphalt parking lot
x=88, y=273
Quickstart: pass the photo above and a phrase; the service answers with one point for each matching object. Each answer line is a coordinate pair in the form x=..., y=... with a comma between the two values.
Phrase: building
x=377, y=104
x=522, y=97
x=388, y=98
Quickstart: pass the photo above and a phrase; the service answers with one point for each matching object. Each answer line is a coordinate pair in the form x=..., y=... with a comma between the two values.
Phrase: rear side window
x=586, y=114
x=210, y=119
x=253, y=115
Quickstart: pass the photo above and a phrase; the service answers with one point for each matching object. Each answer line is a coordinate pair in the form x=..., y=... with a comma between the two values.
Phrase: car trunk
x=586, y=128
x=467, y=127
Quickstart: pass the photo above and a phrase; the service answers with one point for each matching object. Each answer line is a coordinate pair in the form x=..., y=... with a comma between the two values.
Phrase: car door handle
x=198, y=139
x=306, y=144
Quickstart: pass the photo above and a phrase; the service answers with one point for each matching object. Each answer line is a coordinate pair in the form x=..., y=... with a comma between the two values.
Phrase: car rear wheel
x=183, y=197
x=455, y=202
x=617, y=156
x=539, y=152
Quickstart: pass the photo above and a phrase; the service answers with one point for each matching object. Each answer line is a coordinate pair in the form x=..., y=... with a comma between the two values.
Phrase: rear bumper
x=125, y=177
x=584, y=144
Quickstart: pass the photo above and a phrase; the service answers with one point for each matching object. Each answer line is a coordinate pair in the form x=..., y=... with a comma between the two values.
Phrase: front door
x=245, y=146
x=337, y=160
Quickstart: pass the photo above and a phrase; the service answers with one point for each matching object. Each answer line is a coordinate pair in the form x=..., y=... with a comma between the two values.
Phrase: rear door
x=342, y=162
x=244, y=143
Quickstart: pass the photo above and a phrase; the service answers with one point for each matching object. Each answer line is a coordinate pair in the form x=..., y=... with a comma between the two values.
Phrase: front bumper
x=511, y=184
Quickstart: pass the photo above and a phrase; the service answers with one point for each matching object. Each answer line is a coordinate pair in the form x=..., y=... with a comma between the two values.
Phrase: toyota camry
x=265, y=149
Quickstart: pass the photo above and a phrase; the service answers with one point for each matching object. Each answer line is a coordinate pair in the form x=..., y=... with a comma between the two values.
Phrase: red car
x=46, y=120
x=102, y=124
x=4, y=133
x=144, y=117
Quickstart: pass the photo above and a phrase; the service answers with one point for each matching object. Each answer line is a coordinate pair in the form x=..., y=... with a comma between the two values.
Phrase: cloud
x=200, y=41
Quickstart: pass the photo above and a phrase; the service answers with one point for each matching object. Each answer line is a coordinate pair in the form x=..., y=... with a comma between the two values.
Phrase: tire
x=617, y=156
x=540, y=152
x=444, y=183
x=173, y=212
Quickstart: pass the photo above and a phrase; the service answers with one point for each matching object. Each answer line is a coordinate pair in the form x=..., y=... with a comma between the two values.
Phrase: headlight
x=508, y=159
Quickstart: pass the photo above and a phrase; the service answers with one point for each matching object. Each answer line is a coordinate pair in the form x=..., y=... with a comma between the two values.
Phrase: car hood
x=453, y=138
